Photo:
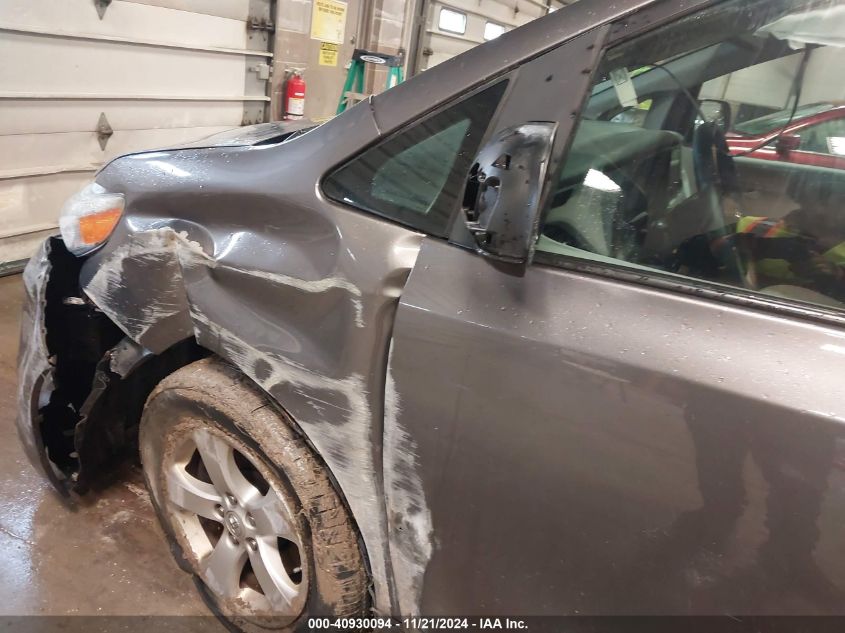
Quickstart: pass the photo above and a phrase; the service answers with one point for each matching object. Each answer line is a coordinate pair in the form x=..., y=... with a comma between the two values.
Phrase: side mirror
x=787, y=143
x=718, y=112
x=504, y=193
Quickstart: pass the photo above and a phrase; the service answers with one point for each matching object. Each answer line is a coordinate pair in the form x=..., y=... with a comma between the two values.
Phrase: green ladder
x=355, y=76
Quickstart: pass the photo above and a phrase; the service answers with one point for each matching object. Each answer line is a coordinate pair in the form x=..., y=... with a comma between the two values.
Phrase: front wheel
x=248, y=508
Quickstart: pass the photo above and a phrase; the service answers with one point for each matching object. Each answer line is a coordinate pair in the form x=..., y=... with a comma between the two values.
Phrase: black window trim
x=640, y=21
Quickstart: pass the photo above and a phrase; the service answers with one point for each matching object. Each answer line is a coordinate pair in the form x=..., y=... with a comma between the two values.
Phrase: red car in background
x=815, y=137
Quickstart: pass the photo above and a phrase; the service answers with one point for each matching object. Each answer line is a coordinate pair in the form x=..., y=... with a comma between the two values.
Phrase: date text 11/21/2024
x=416, y=624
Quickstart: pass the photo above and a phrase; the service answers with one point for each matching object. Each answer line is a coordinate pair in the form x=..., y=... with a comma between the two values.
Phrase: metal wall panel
x=162, y=71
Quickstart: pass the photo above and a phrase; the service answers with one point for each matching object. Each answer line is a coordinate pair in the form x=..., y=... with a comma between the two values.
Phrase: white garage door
x=82, y=81
x=454, y=26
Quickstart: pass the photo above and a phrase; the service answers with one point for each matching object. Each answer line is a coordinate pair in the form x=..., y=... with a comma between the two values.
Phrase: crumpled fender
x=236, y=249
x=35, y=373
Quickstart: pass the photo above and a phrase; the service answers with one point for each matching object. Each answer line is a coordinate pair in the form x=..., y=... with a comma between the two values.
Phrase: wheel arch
x=124, y=378
x=105, y=434
x=291, y=421
x=164, y=281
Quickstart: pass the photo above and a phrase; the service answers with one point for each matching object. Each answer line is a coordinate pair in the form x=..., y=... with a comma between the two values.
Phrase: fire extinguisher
x=294, y=101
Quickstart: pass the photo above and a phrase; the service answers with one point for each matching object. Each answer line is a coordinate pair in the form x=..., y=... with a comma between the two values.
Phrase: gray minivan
x=519, y=336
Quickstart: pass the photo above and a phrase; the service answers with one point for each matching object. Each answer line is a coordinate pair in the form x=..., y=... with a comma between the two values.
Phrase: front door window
x=686, y=160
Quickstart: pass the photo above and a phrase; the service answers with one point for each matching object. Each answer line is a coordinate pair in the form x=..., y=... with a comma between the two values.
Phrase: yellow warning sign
x=328, y=53
x=328, y=21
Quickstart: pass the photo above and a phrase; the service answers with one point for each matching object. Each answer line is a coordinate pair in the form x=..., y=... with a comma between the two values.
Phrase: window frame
x=621, y=31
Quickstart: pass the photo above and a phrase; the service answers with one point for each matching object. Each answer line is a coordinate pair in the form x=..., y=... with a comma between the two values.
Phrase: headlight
x=88, y=218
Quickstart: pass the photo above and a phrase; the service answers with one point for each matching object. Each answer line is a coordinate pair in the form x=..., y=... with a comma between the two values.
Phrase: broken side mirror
x=504, y=192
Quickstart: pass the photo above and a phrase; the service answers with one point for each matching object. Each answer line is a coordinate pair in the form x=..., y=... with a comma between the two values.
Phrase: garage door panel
x=23, y=154
x=31, y=204
x=439, y=44
x=85, y=67
x=522, y=18
x=125, y=20
x=444, y=48
x=164, y=72
x=43, y=116
x=234, y=9
x=492, y=10
x=137, y=140
x=27, y=153
x=14, y=249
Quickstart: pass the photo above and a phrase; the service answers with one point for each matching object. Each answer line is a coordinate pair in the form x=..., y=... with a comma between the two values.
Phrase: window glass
x=492, y=30
x=704, y=181
x=825, y=138
x=416, y=176
x=452, y=21
x=776, y=120
x=633, y=115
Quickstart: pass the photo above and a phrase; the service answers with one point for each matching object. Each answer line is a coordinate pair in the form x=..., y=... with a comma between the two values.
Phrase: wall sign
x=328, y=53
x=328, y=21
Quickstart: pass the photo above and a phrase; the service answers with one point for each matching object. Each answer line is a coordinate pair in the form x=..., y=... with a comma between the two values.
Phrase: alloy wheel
x=235, y=523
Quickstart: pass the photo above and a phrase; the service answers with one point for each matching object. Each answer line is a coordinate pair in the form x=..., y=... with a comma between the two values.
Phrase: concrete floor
x=106, y=557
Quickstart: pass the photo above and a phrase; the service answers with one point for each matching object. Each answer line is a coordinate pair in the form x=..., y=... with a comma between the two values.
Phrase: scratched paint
x=334, y=412
x=408, y=516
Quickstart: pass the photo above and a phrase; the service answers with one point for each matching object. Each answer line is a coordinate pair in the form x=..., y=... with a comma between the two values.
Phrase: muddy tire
x=248, y=508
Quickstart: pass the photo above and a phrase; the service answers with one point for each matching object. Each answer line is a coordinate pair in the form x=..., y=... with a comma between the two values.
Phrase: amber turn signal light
x=95, y=228
x=88, y=217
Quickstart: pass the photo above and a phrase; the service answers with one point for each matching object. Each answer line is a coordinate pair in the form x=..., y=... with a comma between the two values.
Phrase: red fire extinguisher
x=294, y=101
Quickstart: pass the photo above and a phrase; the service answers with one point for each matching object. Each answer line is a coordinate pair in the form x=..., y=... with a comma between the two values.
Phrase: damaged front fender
x=82, y=382
x=234, y=250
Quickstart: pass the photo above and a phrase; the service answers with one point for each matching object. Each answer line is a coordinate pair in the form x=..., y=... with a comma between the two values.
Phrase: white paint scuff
x=347, y=446
x=344, y=435
x=409, y=518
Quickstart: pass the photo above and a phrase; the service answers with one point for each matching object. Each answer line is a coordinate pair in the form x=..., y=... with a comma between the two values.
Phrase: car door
x=613, y=429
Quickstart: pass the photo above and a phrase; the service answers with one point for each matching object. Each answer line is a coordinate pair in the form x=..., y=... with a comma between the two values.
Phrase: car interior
x=650, y=181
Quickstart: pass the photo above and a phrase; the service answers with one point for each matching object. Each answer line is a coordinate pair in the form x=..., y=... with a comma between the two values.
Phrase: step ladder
x=355, y=76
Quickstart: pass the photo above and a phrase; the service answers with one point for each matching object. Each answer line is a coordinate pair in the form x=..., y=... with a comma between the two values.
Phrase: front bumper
x=77, y=388
x=36, y=380
x=65, y=340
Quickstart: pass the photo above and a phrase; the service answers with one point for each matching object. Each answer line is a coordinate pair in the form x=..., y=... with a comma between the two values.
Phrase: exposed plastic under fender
x=82, y=382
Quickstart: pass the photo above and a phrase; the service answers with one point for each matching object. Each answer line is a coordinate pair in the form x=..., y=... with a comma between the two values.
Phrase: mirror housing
x=718, y=112
x=504, y=192
x=787, y=143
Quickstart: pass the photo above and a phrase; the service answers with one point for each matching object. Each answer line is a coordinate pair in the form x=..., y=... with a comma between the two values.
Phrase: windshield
x=776, y=120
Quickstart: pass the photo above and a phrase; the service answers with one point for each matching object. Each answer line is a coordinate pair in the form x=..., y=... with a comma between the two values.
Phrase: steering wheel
x=714, y=166
x=716, y=177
